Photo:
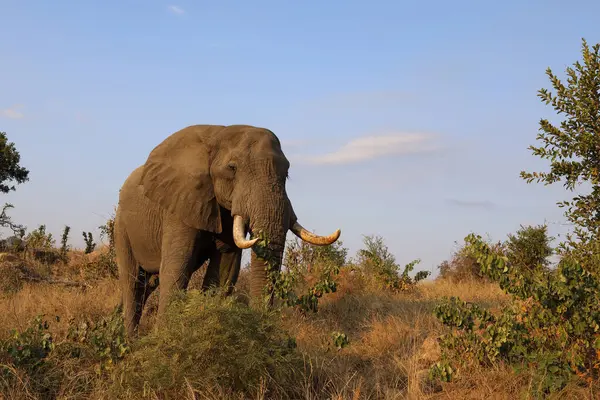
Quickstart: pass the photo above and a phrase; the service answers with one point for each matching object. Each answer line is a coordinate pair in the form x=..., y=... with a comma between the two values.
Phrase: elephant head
x=202, y=171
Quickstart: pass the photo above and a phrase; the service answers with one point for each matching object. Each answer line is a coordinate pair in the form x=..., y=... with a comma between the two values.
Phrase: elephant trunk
x=272, y=221
x=261, y=290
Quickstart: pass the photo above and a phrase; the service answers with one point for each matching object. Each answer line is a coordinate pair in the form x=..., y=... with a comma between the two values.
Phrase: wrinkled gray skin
x=176, y=211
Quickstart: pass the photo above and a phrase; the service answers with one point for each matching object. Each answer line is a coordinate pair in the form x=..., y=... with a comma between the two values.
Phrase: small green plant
x=30, y=348
x=89, y=242
x=107, y=262
x=106, y=338
x=108, y=231
x=340, y=340
x=441, y=370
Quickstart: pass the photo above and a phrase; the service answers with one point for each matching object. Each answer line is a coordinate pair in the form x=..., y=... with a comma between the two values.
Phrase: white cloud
x=176, y=10
x=12, y=112
x=371, y=147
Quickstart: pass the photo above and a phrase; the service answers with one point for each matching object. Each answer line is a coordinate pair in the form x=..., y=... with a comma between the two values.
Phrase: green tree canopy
x=573, y=147
x=10, y=170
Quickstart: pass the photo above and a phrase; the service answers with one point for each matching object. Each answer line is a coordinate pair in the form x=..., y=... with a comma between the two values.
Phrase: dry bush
x=241, y=350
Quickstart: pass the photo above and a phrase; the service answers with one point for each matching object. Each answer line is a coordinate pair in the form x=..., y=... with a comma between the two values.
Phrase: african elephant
x=196, y=197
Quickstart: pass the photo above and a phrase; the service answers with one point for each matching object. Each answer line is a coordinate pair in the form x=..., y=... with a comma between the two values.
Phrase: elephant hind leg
x=133, y=286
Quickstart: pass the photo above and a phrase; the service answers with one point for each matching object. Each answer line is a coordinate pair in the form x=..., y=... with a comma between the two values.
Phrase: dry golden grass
x=52, y=300
x=392, y=339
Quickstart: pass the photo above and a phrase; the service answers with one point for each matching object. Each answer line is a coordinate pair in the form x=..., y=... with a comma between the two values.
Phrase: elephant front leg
x=177, y=264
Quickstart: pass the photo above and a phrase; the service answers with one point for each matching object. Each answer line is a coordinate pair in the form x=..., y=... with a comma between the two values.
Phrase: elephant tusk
x=239, y=234
x=311, y=238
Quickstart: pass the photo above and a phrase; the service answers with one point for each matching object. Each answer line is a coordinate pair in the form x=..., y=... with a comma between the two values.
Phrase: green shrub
x=461, y=267
x=552, y=326
x=30, y=348
x=106, y=263
x=104, y=340
x=379, y=265
x=282, y=285
x=36, y=362
x=529, y=248
x=207, y=341
x=304, y=257
x=40, y=239
x=64, y=247
x=24, y=359
x=89, y=242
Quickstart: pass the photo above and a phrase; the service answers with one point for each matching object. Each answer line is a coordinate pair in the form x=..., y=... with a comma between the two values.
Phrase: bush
x=463, y=266
x=33, y=361
x=304, y=257
x=64, y=247
x=378, y=265
x=107, y=262
x=529, y=248
x=40, y=239
x=205, y=342
x=105, y=340
x=552, y=325
x=89, y=242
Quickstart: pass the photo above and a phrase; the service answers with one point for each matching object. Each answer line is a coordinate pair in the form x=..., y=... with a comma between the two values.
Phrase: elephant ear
x=176, y=175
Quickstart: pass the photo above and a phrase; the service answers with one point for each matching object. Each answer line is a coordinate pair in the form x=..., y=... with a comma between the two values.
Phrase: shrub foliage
x=208, y=341
x=552, y=325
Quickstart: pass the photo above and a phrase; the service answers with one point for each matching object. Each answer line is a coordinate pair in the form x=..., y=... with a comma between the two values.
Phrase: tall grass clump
x=211, y=345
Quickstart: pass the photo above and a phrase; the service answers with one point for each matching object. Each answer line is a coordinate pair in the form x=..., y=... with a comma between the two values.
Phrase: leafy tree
x=10, y=171
x=573, y=149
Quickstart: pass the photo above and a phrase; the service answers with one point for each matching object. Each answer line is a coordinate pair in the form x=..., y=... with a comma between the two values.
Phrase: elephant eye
x=232, y=166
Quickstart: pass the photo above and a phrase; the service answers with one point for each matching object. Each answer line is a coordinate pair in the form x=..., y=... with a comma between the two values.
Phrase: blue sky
x=409, y=120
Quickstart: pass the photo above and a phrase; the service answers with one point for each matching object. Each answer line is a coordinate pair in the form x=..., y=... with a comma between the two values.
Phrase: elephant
x=196, y=197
